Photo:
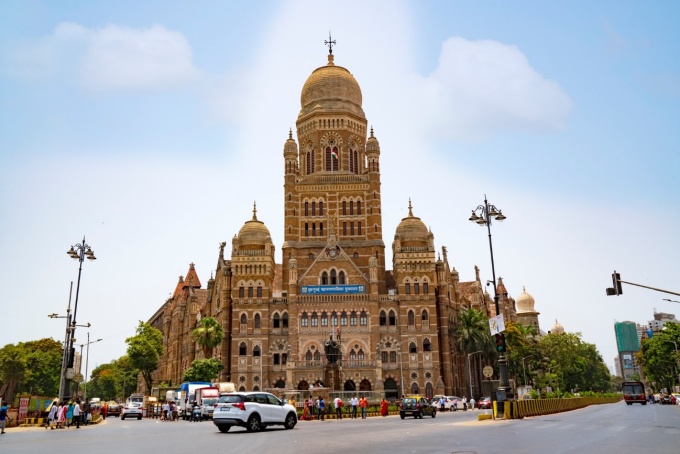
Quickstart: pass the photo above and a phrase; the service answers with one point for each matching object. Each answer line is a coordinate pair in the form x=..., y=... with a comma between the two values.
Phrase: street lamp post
x=79, y=252
x=524, y=371
x=487, y=212
x=469, y=372
x=87, y=360
x=66, y=351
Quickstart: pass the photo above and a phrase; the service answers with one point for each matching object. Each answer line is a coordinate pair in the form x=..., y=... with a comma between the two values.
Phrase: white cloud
x=482, y=87
x=110, y=58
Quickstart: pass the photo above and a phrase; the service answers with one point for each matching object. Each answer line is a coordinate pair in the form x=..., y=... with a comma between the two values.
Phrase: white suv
x=131, y=410
x=252, y=410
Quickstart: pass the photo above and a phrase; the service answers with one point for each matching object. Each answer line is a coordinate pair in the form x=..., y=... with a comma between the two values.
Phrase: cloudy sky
x=151, y=127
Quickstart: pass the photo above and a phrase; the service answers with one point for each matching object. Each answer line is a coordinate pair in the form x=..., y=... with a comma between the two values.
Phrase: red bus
x=634, y=391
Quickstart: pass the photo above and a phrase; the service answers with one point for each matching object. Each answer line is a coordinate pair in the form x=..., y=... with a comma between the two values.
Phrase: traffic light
x=71, y=357
x=500, y=343
x=616, y=279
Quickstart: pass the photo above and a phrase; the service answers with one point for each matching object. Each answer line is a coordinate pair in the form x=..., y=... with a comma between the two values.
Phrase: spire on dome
x=372, y=136
x=290, y=134
x=410, y=208
x=254, y=210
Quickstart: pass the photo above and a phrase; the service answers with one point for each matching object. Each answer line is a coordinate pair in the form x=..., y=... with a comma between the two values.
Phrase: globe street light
x=487, y=212
x=79, y=252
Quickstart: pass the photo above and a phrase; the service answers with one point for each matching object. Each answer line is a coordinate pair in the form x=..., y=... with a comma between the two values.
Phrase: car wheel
x=434, y=413
x=402, y=415
x=122, y=418
x=290, y=421
x=224, y=429
x=420, y=415
x=629, y=403
x=253, y=424
x=139, y=418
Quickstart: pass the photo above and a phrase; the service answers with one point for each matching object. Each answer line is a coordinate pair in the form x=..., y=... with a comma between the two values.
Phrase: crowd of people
x=63, y=415
x=316, y=409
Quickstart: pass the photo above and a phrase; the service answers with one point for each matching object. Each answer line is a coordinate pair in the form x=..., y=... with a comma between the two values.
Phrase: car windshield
x=230, y=399
x=409, y=401
x=209, y=401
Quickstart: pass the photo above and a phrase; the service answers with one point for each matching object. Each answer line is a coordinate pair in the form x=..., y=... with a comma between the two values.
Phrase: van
x=634, y=392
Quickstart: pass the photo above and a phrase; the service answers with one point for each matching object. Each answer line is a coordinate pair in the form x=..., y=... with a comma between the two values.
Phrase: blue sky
x=151, y=128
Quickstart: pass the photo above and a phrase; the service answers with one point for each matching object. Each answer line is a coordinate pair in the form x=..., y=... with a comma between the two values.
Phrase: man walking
x=337, y=402
x=77, y=413
x=322, y=408
x=355, y=403
x=3, y=417
x=363, y=403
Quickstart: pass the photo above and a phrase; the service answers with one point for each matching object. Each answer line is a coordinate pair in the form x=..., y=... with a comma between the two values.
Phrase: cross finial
x=329, y=43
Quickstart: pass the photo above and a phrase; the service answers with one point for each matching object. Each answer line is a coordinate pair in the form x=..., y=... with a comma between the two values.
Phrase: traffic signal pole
x=616, y=290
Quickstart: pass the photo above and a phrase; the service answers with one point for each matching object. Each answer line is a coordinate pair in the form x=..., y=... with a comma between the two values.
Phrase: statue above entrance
x=332, y=350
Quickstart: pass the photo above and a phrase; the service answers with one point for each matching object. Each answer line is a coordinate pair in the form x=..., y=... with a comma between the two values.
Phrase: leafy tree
x=472, y=335
x=43, y=358
x=203, y=370
x=659, y=358
x=208, y=334
x=113, y=380
x=144, y=350
x=521, y=341
x=12, y=370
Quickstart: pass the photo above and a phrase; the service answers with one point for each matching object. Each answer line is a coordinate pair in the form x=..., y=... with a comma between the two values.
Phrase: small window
x=407, y=288
x=343, y=319
x=344, y=228
x=304, y=320
x=242, y=349
x=276, y=359
x=306, y=229
x=277, y=321
x=313, y=228
x=324, y=278
x=244, y=319
x=256, y=350
x=412, y=348
x=383, y=357
x=351, y=207
x=344, y=207
x=363, y=320
x=392, y=318
x=411, y=318
x=313, y=208
x=257, y=321
x=320, y=228
x=393, y=357
x=306, y=208
x=426, y=345
x=341, y=278
x=353, y=319
x=334, y=279
x=383, y=318
x=424, y=315
x=321, y=208
x=351, y=228
x=359, y=228
x=358, y=206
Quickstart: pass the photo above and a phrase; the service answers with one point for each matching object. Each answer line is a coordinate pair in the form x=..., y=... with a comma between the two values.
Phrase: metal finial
x=330, y=42
x=410, y=209
x=255, y=211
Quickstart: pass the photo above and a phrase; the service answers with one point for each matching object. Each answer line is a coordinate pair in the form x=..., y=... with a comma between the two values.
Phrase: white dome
x=524, y=302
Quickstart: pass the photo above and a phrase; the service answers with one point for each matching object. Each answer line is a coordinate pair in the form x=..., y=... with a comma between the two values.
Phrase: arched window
x=250, y=291
x=332, y=159
x=241, y=292
x=256, y=350
x=344, y=207
x=334, y=279
x=351, y=207
x=277, y=321
x=429, y=391
x=259, y=291
x=360, y=355
x=321, y=208
x=306, y=208
x=242, y=349
x=411, y=318
x=343, y=318
x=414, y=388
x=412, y=348
x=416, y=288
x=341, y=278
x=324, y=319
x=351, y=161
x=356, y=162
x=383, y=318
x=353, y=319
x=392, y=318
x=304, y=320
x=309, y=163
x=393, y=357
x=324, y=278
x=317, y=356
x=313, y=208
x=358, y=206
x=407, y=288
x=425, y=288
x=363, y=319
x=244, y=319
x=424, y=316
x=352, y=357
x=257, y=321
x=315, y=319
x=284, y=320
x=334, y=319
x=308, y=356
x=426, y=345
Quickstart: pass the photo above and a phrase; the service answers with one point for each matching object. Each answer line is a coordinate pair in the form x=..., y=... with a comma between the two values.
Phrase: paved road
x=606, y=429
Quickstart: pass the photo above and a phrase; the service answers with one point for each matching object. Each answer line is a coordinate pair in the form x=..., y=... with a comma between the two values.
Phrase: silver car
x=132, y=410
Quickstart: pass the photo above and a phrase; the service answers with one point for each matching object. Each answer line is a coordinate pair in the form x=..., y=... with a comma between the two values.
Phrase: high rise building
x=627, y=344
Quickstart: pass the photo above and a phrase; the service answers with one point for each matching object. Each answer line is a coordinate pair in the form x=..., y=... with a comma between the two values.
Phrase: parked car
x=447, y=405
x=114, y=408
x=132, y=410
x=416, y=406
x=667, y=399
x=208, y=408
x=485, y=403
x=252, y=410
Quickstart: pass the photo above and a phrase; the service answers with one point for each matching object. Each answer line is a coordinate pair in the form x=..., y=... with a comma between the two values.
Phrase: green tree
x=472, y=335
x=208, y=334
x=144, y=350
x=522, y=342
x=659, y=358
x=203, y=370
x=43, y=358
x=12, y=370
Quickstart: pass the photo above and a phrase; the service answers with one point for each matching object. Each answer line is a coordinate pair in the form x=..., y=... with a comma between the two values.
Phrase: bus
x=634, y=391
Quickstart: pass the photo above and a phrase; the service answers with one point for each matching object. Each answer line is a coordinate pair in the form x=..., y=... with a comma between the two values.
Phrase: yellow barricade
x=536, y=407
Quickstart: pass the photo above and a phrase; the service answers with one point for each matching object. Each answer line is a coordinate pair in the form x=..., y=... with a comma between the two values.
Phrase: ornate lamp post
x=487, y=212
x=79, y=252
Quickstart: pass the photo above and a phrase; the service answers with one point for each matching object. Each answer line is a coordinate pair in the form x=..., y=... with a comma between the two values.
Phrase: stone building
x=394, y=327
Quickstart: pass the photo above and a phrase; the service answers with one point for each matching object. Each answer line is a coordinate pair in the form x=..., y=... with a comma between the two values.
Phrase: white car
x=252, y=410
x=132, y=410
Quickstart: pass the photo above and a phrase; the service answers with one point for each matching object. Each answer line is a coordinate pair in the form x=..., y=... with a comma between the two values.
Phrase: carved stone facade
x=394, y=328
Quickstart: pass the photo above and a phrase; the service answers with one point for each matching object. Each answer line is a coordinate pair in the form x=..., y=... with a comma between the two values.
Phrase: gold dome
x=331, y=88
x=254, y=233
x=524, y=302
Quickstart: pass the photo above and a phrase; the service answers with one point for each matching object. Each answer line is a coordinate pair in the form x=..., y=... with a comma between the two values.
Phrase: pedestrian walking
x=52, y=416
x=442, y=403
x=322, y=408
x=355, y=403
x=3, y=418
x=61, y=415
x=69, y=414
x=472, y=403
x=337, y=402
x=383, y=407
x=363, y=403
x=455, y=404
x=105, y=410
x=464, y=403
x=77, y=413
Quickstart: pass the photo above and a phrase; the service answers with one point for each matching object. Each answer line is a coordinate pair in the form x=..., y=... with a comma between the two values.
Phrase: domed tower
x=557, y=328
x=331, y=194
x=526, y=314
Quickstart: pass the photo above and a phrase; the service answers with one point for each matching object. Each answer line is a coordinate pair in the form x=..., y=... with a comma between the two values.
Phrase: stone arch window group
x=243, y=350
x=333, y=277
x=253, y=291
x=315, y=319
x=349, y=205
x=314, y=207
x=388, y=318
x=416, y=285
x=279, y=320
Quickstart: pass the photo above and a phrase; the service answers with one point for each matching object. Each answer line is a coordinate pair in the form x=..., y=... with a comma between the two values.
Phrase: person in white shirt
x=355, y=403
x=337, y=402
x=464, y=403
x=472, y=403
x=76, y=413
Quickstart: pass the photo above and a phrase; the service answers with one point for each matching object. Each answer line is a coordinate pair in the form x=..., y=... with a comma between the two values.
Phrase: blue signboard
x=332, y=289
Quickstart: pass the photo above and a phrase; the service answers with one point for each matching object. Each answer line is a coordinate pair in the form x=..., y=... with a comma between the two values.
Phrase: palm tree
x=473, y=335
x=208, y=334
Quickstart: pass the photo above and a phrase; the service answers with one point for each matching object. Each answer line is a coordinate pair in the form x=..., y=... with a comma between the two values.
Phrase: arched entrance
x=349, y=386
x=303, y=386
x=280, y=384
x=429, y=391
x=391, y=389
x=365, y=385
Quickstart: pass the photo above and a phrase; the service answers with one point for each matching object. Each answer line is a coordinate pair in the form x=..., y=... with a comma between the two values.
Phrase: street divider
x=537, y=407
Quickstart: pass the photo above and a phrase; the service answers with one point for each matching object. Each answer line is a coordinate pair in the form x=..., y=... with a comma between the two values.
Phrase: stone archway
x=350, y=386
x=303, y=386
x=280, y=384
x=391, y=391
x=365, y=385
